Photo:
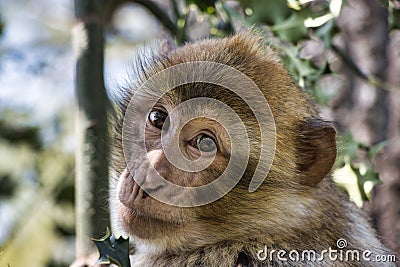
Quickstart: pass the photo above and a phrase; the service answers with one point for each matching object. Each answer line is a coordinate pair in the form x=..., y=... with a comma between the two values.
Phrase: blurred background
x=346, y=54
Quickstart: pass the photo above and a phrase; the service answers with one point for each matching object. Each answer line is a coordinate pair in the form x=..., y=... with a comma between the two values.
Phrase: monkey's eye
x=158, y=118
x=205, y=143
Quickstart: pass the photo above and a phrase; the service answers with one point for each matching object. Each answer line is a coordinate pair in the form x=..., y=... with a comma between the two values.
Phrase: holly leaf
x=374, y=150
x=369, y=178
x=113, y=250
x=346, y=178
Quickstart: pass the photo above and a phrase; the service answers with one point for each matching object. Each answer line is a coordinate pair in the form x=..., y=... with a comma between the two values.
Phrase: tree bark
x=92, y=216
x=365, y=32
x=370, y=113
x=386, y=205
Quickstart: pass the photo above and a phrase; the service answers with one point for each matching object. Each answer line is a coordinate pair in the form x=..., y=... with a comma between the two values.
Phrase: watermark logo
x=341, y=243
x=341, y=254
x=214, y=74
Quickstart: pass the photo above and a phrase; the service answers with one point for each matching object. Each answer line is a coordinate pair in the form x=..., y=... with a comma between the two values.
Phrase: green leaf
x=327, y=31
x=369, y=176
x=292, y=29
x=113, y=250
x=300, y=68
x=374, y=150
x=346, y=178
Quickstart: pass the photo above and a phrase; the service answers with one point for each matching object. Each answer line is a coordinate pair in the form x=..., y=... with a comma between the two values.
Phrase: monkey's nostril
x=150, y=191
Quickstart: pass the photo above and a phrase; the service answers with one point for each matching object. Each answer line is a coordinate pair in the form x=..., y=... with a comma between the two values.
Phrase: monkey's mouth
x=144, y=212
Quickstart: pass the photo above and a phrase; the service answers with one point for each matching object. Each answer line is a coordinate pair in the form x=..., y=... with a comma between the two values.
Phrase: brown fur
x=296, y=208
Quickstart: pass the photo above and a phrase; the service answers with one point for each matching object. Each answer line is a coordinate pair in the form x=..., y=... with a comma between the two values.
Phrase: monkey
x=293, y=216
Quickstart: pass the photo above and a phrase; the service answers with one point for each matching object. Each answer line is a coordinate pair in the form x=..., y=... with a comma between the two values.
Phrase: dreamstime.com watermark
x=341, y=254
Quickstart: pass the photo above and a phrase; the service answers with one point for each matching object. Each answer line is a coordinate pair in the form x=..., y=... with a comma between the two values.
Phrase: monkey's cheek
x=126, y=217
x=140, y=225
x=133, y=222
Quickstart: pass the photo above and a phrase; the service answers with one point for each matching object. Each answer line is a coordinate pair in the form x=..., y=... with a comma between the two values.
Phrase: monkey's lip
x=141, y=215
x=141, y=207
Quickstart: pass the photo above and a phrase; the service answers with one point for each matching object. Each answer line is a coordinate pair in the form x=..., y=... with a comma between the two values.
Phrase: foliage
x=36, y=182
x=356, y=172
x=113, y=250
x=394, y=13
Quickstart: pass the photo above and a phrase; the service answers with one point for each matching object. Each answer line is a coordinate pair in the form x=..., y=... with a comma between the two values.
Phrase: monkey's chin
x=145, y=226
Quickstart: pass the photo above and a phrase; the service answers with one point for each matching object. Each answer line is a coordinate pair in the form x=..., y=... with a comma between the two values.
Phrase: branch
x=375, y=81
x=162, y=17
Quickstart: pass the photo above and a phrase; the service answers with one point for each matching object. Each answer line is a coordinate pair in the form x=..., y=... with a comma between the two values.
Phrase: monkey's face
x=185, y=144
x=194, y=138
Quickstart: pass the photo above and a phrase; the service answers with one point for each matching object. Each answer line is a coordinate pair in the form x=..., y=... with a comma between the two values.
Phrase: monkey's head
x=216, y=142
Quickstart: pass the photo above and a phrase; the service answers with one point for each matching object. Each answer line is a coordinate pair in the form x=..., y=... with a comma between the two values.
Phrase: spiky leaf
x=113, y=250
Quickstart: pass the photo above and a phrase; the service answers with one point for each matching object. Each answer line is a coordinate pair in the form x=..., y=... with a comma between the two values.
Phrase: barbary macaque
x=222, y=160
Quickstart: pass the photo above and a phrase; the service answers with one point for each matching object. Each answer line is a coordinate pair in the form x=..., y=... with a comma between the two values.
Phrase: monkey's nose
x=128, y=189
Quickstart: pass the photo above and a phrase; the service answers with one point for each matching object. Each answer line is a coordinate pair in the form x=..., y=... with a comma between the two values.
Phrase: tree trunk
x=92, y=216
x=386, y=205
x=370, y=113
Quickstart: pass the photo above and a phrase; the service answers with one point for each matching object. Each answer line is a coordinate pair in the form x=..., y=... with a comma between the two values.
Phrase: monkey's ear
x=316, y=150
